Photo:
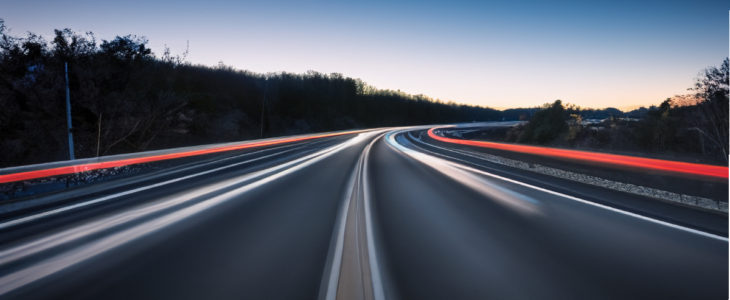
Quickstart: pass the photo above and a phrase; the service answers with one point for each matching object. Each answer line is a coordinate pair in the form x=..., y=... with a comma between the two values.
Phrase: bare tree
x=711, y=98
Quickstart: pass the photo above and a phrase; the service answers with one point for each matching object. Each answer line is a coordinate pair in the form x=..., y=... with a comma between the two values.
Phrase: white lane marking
x=69, y=258
x=102, y=199
x=391, y=140
x=334, y=274
x=378, y=293
x=333, y=282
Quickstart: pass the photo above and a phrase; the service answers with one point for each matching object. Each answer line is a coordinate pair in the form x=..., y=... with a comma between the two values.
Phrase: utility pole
x=68, y=116
x=262, y=107
x=98, y=138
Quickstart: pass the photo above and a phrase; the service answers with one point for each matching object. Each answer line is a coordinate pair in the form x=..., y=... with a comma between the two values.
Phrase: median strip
x=694, y=201
x=602, y=158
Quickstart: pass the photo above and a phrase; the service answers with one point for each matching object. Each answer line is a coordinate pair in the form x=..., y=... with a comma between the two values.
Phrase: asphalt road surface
x=376, y=215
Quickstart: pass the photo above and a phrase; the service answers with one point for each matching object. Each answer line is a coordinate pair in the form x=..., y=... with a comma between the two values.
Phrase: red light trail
x=125, y=162
x=609, y=159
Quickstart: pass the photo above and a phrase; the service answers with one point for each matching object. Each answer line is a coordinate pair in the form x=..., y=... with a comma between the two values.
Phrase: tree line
x=693, y=125
x=125, y=98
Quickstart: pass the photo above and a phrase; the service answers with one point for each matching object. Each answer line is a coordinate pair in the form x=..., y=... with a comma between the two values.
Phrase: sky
x=497, y=54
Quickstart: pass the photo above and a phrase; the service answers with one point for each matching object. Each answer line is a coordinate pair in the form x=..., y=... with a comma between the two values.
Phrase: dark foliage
x=691, y=127
x=545, y=125
x=125, y=99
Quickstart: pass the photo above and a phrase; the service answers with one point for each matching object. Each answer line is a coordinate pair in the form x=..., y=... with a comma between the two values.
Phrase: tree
x=69, y=45
x=127, y=49
x=546, y=124
x=711, y=90
x=150, y=102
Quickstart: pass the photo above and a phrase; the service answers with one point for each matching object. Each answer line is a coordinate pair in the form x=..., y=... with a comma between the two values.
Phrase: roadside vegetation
x=692, y=127
x=124, y=98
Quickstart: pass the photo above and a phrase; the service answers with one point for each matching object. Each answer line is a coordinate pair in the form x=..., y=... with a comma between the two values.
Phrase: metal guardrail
x=21, y=173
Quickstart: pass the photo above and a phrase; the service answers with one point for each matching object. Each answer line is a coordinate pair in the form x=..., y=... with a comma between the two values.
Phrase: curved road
x=376, y=215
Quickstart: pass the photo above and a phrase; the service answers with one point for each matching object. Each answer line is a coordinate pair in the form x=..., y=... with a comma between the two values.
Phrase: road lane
x=703, y=220
x=444, y=239
x=74, y=202
x=295, y=238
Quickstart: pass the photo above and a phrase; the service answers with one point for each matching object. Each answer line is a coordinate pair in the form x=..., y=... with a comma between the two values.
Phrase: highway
x=380, y=214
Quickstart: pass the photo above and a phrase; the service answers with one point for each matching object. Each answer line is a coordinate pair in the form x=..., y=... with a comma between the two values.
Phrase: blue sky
x=521, y=53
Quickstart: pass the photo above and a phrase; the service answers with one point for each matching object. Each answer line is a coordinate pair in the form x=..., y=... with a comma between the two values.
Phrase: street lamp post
x=68, y=116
